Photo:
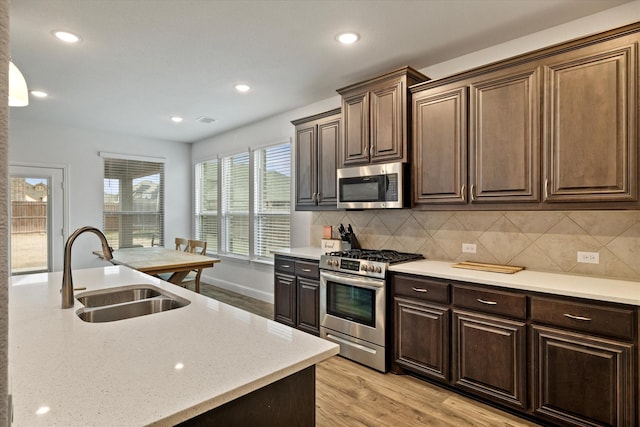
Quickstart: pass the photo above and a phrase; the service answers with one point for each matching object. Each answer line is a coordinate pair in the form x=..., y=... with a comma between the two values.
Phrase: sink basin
x=118, y=295
x=125, y=302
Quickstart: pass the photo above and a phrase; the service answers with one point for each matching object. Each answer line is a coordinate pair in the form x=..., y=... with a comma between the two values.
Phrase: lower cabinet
x=297, y=293
x=422, y=338
x=581, y=380
x=489, y=357
x=562, y=361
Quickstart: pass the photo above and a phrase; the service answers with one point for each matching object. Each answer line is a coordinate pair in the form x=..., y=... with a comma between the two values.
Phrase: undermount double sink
x=125, y=302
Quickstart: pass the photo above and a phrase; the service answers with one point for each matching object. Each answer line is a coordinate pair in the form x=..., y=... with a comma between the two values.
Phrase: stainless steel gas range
x=353, y=302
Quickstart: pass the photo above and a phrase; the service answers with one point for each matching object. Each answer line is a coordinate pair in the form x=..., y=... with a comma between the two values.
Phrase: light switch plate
x=469, y=248
x=589, y=257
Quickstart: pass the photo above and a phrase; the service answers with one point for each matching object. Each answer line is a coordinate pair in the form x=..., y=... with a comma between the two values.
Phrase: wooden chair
x=197, y=247
x=182, y=244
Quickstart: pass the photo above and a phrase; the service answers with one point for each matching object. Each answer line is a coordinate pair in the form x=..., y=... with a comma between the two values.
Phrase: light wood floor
x=352, y=395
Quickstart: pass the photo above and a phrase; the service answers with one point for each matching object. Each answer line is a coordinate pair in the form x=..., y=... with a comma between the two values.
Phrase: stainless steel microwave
x=373, y=186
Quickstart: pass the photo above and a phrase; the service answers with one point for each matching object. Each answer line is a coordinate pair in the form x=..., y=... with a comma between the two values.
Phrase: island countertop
x=158, y=369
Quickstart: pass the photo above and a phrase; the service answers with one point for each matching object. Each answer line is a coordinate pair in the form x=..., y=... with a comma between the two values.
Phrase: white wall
x=78, y=149
x=257, y=280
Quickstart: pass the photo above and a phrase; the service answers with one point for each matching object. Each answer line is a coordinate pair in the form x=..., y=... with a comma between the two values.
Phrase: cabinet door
x=489, y=357
x=422, y=338
x=306, y=161
x=590, y=124
x=328, y=161
x=440, y=146
x=355, y=117
x=285, y=299
x=504, y=138
x=388, y=118
x=309, y=305
x=580, y=380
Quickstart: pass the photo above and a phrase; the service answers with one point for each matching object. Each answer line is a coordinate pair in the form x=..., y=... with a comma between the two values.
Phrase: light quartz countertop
x=158, y=369
x=580, y=286
x=308, y=252
x=601, y=289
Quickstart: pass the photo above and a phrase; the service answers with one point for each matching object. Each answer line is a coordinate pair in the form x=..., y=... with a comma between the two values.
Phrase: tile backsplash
x=543, y=241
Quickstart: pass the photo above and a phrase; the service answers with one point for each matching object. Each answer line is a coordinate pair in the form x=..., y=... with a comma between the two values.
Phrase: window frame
x=252, y=214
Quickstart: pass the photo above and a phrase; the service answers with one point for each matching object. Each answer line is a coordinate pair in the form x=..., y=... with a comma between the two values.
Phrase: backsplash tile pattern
x=543, y=241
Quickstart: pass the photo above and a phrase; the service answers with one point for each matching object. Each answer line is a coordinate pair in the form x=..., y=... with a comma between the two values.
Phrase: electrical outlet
x=589, y=257
x=469, y=248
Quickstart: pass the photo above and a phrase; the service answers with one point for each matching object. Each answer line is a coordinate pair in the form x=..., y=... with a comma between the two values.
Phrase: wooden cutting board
x=483, y=266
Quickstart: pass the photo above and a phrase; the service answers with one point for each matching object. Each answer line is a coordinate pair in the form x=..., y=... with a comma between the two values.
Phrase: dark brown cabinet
x=493, y=159
x=297, y=293
x=317, y=158
x=560, y=360
x=376, y=115
x=422, y=328
x=552, y=129
x=590, y=123
x=583, y=363
x=489, y=350
x=504, y=137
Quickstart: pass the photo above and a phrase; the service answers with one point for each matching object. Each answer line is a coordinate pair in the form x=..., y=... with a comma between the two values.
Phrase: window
x=235, y=204
x=243, y=202
x=133, y=201
x=272, y=224
x=206, y=198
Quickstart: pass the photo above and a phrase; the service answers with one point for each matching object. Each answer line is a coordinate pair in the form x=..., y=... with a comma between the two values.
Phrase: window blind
x=272, y=194
x=206, y=203
x=234, y=194
x=133, y=212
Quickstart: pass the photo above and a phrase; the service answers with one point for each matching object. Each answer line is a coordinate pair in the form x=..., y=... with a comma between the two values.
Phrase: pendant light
x=18, y=93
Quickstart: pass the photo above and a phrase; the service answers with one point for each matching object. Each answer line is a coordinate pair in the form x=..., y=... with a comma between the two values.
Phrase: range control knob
x=377, y=269
x=364, y=267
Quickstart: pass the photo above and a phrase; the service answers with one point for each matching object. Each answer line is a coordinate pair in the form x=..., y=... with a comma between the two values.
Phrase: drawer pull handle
x=571, y=316
x=286, y=266
x=306, y=270
x=484, y=301
x=423, y=290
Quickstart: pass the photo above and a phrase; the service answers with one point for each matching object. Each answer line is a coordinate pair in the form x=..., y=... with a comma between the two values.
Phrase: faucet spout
x=67, y=279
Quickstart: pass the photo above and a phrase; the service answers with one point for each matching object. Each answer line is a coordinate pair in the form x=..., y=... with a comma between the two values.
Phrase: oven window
x=352, y=303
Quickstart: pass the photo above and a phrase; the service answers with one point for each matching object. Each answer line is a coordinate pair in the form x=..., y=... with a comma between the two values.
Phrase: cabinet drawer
x=491, y=301
x=421, y=288
x=308, y=269
x=595, y=318
x=286, y=265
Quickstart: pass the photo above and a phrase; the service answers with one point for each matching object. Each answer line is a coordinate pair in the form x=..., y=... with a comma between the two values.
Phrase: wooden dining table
x=158, y=260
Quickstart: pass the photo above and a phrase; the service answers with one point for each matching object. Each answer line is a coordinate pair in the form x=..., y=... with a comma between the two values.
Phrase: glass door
x=36, y=219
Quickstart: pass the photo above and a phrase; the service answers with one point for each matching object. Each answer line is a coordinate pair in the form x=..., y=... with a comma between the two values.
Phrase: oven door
x=353, y=305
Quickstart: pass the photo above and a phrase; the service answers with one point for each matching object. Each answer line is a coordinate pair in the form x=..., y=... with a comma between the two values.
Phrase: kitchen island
x=160, y=369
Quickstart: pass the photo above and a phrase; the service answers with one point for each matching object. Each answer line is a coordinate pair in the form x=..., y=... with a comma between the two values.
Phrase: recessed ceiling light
x=39, y=93
x=176, y=119
x=66, y=36
x=243, y=88
x=348, y=38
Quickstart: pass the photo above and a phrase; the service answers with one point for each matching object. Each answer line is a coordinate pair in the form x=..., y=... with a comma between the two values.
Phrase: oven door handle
x=353, y=280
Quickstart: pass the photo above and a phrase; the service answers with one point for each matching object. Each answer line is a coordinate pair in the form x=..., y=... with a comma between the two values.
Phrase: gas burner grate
x=382, y=255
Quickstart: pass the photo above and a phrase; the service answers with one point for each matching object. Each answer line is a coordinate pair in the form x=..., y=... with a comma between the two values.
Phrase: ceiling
x=142, y=61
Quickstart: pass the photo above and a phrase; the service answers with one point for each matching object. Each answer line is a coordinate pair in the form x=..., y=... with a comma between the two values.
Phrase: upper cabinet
x=590, y=112
x=317, y=157
x=553, y=129
x=477, y=141
x=375, y=116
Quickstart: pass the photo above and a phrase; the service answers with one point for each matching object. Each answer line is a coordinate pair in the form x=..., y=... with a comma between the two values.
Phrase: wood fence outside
x=28, y=217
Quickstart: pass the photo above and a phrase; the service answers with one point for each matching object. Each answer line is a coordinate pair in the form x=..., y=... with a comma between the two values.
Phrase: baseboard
x=237, y=288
